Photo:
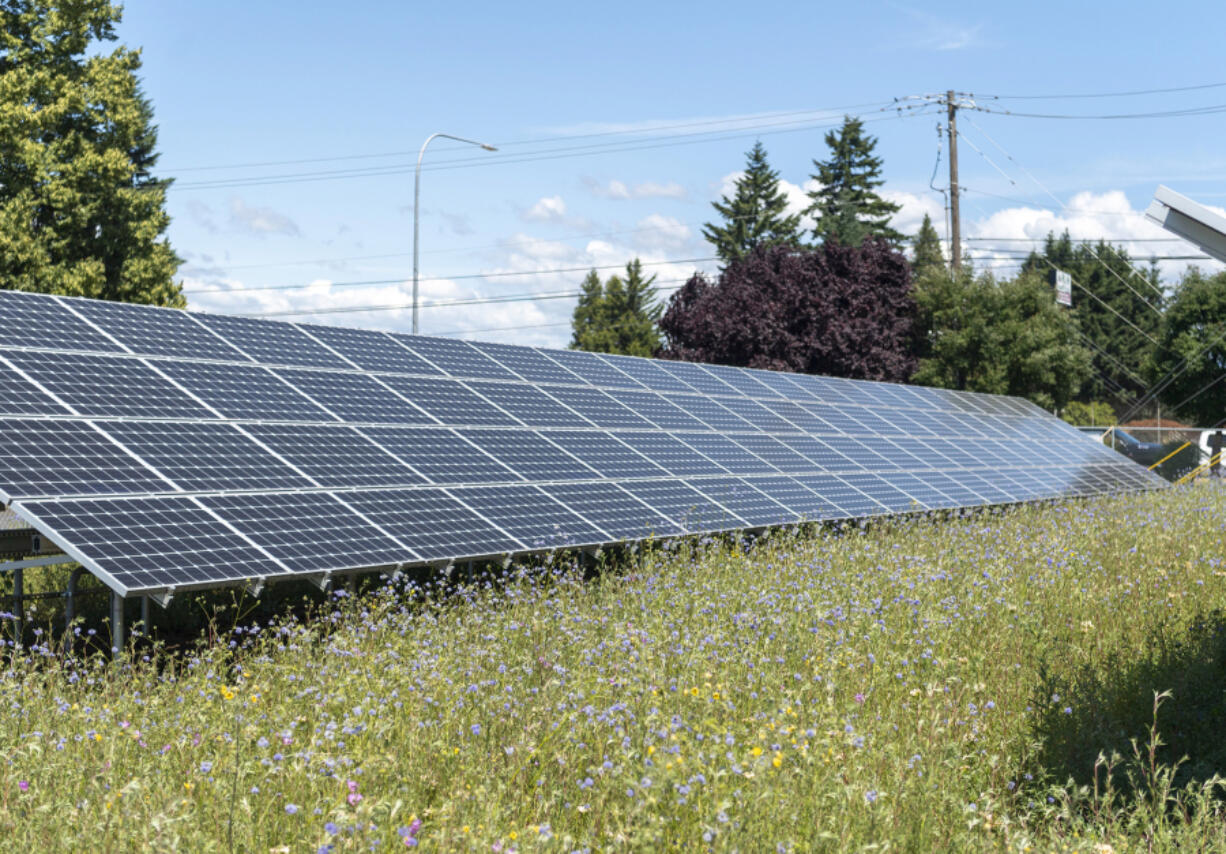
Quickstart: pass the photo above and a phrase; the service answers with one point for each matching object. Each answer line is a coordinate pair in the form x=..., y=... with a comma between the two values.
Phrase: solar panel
x=161, y=332
x=371, y=351
x=166, y=449
x=308, y=531
x=242, y=392
x=40, y=458
x=272, y=343
x=28, y=320
x=200, y=457
x=334, y=456
x=107, y=385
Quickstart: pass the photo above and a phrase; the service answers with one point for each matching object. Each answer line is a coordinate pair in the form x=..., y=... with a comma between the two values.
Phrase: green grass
x=925, y=684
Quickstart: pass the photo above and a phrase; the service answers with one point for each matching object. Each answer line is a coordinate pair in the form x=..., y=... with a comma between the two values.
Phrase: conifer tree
x=618, y=316
x=927, y=246
x=80, y=210
x=754, y=216
x=846, y=205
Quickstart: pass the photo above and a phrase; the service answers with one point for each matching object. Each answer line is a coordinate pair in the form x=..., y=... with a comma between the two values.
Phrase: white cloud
x=202, y=215
x=912, y=210
x=260, y=221
x=547, y=209
x=665, y=233
x=615, y=189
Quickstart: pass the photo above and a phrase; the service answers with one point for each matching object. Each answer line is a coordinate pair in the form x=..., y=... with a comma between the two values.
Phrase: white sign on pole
x=1064, y=288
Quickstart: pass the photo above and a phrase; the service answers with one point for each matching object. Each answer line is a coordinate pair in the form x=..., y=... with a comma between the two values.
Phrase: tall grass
x=983, y=682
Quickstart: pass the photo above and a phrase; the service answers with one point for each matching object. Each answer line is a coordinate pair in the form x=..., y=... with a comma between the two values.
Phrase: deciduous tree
x=80, y=210
x=836, y=310
x=1191, y=351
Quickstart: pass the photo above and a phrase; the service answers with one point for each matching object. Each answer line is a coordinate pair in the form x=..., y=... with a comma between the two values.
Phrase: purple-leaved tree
x=836, y=310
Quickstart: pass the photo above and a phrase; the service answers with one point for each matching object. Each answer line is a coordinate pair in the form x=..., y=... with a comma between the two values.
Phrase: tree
x=999, y=337
x=80, y=211
x=1118, y=310
x=618, y=316
x=754, y=216
x=837, y=310
x=928, y=258
x=846, y=205
x=1191, y=350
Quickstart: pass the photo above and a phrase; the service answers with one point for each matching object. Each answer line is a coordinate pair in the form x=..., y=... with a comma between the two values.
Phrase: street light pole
x=417, y=203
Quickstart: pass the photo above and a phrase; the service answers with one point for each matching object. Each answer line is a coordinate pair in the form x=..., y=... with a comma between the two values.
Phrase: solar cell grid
x=308, y=531
x=107, y=385
x=455, y=357
x=528, y=454
x=670, y=454
x=609, y=457
x=529, y=404
x=272, y=343
x=19, y=396
x=200, y=456
x=685, y=506
x=591, y=368
x=618, y=513
x=156, y=332
x=784, y=385
x=242, y=392
x=852, y=501
x=758, y=415
x=41, y=458
x=656, y=409
x=440, y=455
x=824, y=389
x=369, y=350
x=860, y=454
x=149, y=543
x=756, y=508
x=776, y=453
x=335, y=456
x=448, y=401
x=354, y=397
x=880, y=488
x=527, y=363
x=728, y=454
x=438, y=526
x=39, y=320
x=531, y=516
x=697, y=377
x=800, y=416
x=648, y=372
x=818, y=452
x=597, y=407
x=711, y=413
x=742, y=380
x=803, y=502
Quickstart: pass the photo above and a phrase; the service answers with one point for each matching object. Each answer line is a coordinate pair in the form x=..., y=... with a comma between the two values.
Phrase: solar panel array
x=166, y=450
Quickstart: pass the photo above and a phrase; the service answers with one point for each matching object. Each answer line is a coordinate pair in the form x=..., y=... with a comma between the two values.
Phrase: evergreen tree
x=80, y=211
x=1191, y=353
x=587, y=322
x=928, y=258
x=754, y=216
x=1117, y=309
x=618, y=316
x=846, y=205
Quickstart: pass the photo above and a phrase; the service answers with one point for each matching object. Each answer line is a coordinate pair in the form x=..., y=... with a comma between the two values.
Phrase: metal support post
x=116, y=624
x=19, y=607
x=144, y=615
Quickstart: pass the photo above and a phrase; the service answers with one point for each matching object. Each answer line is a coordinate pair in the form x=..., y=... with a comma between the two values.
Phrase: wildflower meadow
x=1033, y=678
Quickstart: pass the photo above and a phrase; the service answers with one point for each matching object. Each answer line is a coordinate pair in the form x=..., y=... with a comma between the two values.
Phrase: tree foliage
x=1192, y=350
x=1116, y=308
x=928, y=259
x=999, y=337
x=846, y=204
x=837, y=310
x=754, y=216
x=80, y=211
x=619, y=315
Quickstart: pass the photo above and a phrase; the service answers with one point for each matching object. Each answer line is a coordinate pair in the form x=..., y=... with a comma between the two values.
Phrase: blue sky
x=618, y=125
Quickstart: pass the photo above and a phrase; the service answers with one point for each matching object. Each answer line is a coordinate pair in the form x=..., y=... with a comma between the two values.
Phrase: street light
x=417, y=203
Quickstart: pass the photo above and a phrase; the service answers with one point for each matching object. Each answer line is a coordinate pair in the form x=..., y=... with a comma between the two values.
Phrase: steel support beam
x=1193, y=222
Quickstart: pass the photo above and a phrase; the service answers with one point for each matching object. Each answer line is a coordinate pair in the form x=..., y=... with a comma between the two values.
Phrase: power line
x=1109, y=94
x=500, y=275
x=511, y=158
x=1210, y=109
x=645, y=130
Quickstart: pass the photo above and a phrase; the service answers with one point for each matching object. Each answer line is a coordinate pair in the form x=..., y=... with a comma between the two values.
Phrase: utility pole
x=955, y=219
